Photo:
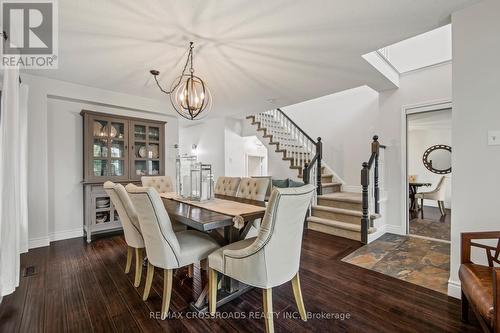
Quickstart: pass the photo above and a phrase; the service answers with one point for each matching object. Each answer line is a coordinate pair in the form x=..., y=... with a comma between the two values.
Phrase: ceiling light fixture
x=189, y=94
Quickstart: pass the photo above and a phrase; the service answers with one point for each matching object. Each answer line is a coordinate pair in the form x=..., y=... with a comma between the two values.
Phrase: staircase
x=339, y=214
x=333, y=211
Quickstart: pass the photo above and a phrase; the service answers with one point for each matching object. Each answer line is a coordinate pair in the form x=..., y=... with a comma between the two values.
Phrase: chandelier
x=189, y=94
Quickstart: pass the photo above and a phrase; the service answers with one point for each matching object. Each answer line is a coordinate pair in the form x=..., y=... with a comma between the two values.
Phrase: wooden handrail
x=294, y=124
x=306, y=172
x=303, y=139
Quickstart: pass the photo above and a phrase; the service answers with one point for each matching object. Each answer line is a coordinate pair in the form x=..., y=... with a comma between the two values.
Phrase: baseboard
x=394, y=229
x=380, y=231
x=55, y=236
x=454, y=289
x=66, y=234
x=38, y=242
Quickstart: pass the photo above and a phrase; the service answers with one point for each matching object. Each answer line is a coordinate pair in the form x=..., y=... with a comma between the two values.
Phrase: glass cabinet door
x=109, y=148
x=147, y=152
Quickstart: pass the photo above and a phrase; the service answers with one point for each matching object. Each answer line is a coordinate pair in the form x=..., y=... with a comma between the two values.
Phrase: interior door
x=254, y=166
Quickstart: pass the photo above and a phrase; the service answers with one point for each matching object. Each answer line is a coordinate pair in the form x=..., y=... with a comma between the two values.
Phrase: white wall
x=238, y=147
x=418, y=87
x=220, y=142
x=209, y=137
x=346, y=122
x=55, y=200
x=476, y=101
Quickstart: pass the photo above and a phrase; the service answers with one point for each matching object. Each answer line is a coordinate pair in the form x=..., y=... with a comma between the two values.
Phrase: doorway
x=255, y=166
x=428, y=173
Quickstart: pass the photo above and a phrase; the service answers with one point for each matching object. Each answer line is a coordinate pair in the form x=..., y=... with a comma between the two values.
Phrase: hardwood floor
x=83, y=288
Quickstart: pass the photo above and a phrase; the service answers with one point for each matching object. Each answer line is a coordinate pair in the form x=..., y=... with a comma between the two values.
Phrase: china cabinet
x=119, y=149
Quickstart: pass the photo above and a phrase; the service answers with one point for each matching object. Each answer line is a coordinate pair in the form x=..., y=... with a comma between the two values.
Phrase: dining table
x=222, y=228
x=413, y=189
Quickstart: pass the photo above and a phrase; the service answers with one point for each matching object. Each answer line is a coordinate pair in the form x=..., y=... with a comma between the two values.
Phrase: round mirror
x=437, y=159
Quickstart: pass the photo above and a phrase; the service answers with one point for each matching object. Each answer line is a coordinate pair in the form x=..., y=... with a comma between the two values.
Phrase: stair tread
x=343, y=196
x=338, y=224
x=343, y=211
x=331, y=184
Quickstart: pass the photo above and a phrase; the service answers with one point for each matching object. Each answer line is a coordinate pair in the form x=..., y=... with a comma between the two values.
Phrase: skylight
x=424, y=50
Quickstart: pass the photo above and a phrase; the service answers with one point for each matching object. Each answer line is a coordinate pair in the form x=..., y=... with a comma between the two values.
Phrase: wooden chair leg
x=149, y=280
x=138, y=267
x=422, y=207
x=130, y=251
x=441, y=208
x=212, y=290
x=267, y=295
x=297, y=293
x=465, y=308
x=167, y=292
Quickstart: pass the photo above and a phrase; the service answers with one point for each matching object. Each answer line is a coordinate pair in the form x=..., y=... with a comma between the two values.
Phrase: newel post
x=319, y=150
x=365, y=219
x=376, y=189
x=305, y=174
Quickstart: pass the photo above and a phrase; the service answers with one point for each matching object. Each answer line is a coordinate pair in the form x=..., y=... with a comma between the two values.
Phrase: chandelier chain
x=189, y=61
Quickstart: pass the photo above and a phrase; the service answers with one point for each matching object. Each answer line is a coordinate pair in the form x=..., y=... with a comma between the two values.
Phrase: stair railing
x=370, y=174
x=304, y=152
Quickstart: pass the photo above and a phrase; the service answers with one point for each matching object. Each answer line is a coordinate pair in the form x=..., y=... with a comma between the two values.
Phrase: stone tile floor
x=433, y=225
x=419, y=261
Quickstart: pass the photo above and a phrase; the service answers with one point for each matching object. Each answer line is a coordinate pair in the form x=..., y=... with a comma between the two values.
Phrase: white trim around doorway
x=405, y=111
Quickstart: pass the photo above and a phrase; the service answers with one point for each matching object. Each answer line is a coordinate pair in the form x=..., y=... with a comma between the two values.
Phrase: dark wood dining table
x=413, y=189
x=208, y=221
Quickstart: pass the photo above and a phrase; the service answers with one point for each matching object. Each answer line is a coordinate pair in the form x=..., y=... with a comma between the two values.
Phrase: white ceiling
x=247, y=51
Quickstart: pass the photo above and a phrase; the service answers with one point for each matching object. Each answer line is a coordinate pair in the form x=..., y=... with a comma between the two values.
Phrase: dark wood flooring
x=433, y=225
x=82, y=288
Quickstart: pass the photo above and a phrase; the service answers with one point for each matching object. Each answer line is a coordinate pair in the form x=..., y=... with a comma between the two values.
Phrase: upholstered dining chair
x=273, y=257
x=163, y=184
x=253, y=188
x=165, y=249
x=227, y=186
x=438, y=194
x=131, y=227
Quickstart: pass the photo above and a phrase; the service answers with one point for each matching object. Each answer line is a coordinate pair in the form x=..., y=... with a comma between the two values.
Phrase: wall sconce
x=194, y=149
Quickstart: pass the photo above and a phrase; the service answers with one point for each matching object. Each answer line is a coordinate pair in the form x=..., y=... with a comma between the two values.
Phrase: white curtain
x=13, y=179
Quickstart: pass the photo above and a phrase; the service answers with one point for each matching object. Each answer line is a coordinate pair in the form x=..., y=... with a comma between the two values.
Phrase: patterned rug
x=419, y=261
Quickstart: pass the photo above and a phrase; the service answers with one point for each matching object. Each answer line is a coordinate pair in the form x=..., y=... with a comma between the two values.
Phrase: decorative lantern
x=202, y=184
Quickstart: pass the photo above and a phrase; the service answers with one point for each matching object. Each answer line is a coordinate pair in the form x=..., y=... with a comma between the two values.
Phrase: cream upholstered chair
x=164, y=248
x=273, y=257
x=437, y=194
x=269, y=185
x=131, y=227
x=163, y=184
x=227, y=186
x=253, y=188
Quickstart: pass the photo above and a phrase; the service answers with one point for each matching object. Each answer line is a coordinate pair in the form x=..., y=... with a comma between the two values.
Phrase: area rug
x=420, y=261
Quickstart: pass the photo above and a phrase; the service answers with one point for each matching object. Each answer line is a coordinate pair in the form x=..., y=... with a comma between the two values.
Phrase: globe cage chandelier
x=189, y=94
